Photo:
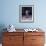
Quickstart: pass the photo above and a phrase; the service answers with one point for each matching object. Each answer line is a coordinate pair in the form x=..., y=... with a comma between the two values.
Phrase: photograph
x=26, y=13
x=22, y=23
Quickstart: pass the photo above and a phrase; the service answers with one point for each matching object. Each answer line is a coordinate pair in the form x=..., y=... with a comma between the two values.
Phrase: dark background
x=26, y=8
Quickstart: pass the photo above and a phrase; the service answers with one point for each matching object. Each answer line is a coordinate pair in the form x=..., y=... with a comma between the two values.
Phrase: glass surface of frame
x=26, y=13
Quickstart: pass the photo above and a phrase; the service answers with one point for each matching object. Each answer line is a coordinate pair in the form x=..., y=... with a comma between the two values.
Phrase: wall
x=9, y=13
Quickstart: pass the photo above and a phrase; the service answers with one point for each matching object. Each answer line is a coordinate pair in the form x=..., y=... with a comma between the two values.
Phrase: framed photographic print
x=26, y=13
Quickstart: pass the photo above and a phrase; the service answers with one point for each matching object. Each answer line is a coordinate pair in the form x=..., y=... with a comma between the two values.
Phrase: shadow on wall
x=2, y=26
